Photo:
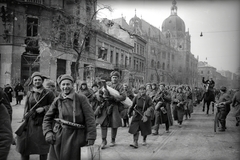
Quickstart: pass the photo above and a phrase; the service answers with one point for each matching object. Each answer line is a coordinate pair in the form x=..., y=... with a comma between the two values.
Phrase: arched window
x=163, y=66
x=158, y=64
x=152, y=63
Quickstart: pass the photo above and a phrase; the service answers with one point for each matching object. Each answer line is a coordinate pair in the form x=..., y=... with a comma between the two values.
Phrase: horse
x=208, y=97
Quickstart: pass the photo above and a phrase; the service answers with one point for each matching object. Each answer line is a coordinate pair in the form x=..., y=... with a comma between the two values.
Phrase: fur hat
x=142, y=86
x=36, y=74
x=162, y=84
x=115, y=73
x=224, y=89
x=94, y=85
x=64, y=77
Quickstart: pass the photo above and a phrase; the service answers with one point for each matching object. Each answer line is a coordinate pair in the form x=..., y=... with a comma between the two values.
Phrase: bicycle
x=216, y=119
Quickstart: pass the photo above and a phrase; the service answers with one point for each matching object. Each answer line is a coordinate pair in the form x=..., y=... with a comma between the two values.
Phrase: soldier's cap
x=64, y=77
x=38, y=74
x=50, y=83
x=35, y=74
x=142, y=86
x=223, y=88
x=115, y=73
x=94, y=85
x=162, y=84
x=84, y=83
x=154, y=84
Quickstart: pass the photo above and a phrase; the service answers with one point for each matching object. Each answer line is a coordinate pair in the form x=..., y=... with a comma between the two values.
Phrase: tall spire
x=174, y=8
x=135, y=12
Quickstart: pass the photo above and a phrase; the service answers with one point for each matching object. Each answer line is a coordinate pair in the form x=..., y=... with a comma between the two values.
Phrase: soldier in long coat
x=142, y=107
x=32, y=141
x=179, y=101
x=162, y=112
x=5, y=126
x=189, y=102
x=108, y=114
x=225, y=100
x=236, y=105
x=66, y=140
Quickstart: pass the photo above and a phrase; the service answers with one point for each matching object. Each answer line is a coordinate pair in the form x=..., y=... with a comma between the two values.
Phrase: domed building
x=174, y=29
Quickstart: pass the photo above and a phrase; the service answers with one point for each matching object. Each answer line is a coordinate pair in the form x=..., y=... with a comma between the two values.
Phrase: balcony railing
x=34, y=1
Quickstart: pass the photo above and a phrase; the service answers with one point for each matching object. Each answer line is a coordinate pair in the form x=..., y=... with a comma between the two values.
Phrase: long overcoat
x=160, y=117
x=236, y=103
x=35, y=141
x=5, y=128
x=69, y=140
x=179, y=100
x=144, y=105
x=114, y=119
x=189, y=101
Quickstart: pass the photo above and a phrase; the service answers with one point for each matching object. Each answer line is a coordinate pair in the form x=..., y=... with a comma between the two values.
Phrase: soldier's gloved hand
x=50, y=138
x=144, y=118
x=90, y=142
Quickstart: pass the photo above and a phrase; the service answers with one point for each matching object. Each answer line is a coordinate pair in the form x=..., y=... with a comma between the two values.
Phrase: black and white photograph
x=119, y=80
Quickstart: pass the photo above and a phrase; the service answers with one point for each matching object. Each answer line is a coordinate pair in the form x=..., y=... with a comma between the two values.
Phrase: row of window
x=138, y=48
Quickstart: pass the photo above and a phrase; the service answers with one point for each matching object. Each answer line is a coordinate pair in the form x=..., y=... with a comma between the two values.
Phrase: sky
x=218, y=20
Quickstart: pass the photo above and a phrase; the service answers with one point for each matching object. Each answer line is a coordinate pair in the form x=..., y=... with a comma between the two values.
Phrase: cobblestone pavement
x=195, y=140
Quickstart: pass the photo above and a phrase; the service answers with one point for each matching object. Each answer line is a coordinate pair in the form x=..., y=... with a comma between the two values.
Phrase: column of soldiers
x=59, y=115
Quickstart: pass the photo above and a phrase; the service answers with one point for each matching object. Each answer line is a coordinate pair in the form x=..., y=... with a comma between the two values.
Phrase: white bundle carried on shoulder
x=127, y=102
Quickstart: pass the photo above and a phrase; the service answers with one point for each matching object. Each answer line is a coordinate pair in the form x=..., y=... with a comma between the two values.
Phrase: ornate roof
x=173, y=23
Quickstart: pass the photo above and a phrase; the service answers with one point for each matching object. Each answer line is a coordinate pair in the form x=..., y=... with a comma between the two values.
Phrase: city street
x=195, y=140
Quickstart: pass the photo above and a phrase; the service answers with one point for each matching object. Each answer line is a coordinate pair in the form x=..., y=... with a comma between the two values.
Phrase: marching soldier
x=142, y=107
x=162, y=112
x=108, y=114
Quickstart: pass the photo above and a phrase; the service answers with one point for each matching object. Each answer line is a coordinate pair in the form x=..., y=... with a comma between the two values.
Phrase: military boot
x=104, y=143
x=134, y=144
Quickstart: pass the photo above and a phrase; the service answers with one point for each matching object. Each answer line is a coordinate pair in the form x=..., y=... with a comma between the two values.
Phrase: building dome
x=173, y=23
x=135, y=22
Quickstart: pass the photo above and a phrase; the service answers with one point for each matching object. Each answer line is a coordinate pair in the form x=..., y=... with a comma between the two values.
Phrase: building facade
x=43, y=36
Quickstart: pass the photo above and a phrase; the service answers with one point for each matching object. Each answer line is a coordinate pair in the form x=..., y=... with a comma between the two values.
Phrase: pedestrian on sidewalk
x=75, y=126
x=6, y=136
x=236, y=105
x=141, y=120
x=9, y=91
x=32, y=141
x=19, y=92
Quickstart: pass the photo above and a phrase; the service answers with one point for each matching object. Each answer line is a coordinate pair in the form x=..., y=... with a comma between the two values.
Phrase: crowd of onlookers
x=86, y=107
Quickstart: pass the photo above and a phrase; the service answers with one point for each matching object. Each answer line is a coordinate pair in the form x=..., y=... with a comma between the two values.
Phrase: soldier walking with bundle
x=142, y=107
x=162, y=112
x=108, y=114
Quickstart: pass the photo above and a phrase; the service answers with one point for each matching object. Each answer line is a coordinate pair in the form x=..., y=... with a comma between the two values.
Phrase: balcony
x=34, y=1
